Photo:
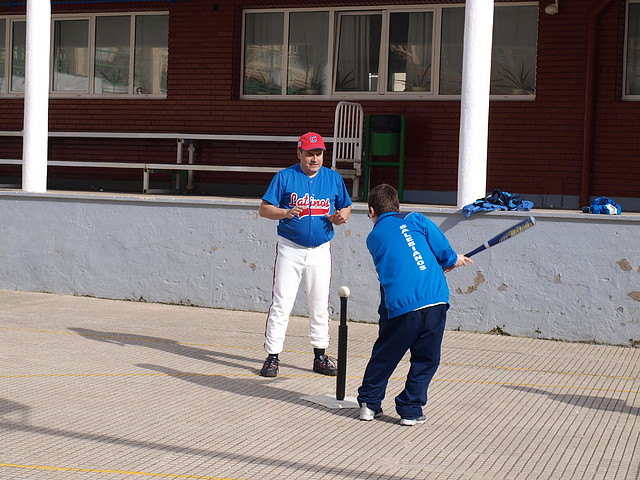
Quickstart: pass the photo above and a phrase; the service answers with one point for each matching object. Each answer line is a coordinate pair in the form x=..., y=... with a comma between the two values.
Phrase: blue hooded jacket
x=409, y=252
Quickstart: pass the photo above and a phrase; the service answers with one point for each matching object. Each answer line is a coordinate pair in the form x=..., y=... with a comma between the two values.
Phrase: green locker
x=384, y=137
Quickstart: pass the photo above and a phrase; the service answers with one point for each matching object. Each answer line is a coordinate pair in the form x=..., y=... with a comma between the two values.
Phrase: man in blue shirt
x=411, y=256
x=307, y=199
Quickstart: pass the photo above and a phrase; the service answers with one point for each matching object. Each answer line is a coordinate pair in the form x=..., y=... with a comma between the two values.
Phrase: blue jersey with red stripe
x=324, y=193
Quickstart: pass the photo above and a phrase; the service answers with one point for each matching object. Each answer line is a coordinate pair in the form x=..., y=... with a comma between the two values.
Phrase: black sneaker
x=270, y=367
x=325, y=365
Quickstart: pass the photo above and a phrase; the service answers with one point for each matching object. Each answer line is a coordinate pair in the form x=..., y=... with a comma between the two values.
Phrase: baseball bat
x=507, y=234
x=344, y=293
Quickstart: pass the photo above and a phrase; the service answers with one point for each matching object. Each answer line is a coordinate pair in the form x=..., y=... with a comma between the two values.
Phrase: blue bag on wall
x=605, y=206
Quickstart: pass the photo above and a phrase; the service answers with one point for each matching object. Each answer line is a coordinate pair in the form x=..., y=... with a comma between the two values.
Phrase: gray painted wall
x=573, y=277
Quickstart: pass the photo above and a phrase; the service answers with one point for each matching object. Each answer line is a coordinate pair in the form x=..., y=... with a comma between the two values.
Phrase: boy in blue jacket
x=411, y=256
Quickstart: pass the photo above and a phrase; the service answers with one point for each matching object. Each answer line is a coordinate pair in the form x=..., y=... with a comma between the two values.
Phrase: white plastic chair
x=347, y=142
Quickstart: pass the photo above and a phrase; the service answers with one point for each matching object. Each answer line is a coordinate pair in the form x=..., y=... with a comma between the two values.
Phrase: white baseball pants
x=292, y=263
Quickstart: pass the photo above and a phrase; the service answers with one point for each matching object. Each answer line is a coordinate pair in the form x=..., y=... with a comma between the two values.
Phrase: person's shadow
x=585, y=401
x=247, y=387
x=11, y=411
x=174, y=347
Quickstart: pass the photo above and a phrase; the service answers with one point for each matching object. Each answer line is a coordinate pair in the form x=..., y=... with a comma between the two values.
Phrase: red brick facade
x=535, y=147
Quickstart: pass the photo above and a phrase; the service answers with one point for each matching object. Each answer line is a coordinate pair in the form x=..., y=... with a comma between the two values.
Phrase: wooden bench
x=347, y=148
x=148, y=168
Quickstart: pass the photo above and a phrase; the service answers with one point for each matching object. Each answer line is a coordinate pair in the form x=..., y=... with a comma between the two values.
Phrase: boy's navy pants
x=421, y=332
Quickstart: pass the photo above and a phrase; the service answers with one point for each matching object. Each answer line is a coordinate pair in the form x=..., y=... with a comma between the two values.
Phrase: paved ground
x=102, y=389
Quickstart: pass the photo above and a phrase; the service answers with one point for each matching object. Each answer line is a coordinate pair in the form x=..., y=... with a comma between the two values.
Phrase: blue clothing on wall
x=498, y=200
x=410, y=252
x=324, y=193
x=605, y=206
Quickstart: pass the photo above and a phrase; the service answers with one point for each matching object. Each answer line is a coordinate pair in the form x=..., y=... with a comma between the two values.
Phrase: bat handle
x=476, y=250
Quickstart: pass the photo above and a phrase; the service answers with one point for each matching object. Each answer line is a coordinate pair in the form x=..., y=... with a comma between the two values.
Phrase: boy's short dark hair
x=383, y=199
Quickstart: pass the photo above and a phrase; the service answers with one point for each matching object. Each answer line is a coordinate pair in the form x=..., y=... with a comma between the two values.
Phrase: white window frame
x=7, y=29
x=626, y=96
x=91, y=17
x=381, y=92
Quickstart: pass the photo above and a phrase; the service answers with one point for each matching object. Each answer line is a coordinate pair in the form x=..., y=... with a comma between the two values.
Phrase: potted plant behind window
x=260, y=83
x=313, y=75
x=305, y=82
x=421, y=81
x=406, y=61
x=633, y=87
x=261, y=72
x=314, y=83
x=516, y=82
x=346, y=82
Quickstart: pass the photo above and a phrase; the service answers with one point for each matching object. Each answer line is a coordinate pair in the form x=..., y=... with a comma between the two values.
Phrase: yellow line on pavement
x=188, y=374
x=56, y=375
x=121, y=472
x=137, y=339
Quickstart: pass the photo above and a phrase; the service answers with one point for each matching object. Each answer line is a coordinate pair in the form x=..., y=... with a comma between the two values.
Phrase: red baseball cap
x=311, y=141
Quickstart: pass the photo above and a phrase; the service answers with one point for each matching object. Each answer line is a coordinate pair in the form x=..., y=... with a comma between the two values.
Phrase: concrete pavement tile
x=124, y=390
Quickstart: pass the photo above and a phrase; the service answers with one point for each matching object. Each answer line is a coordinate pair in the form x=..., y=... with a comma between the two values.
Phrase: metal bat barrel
x=507, y=234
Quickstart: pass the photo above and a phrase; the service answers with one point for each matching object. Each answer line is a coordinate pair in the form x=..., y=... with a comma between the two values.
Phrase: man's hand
x=272, y=212
x=336, y=218
x=292, y=212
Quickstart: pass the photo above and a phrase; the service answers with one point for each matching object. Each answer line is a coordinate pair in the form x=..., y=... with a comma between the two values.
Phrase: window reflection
x=71, y=55
x=18, y=57
x=263, y=54
x=151, y=54
x=410, y=52
x=359, y=53
x=112, y=54
x=307, y=65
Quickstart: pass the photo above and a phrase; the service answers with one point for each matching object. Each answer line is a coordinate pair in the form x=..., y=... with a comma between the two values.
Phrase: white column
x=474, y=115
x=36, y=96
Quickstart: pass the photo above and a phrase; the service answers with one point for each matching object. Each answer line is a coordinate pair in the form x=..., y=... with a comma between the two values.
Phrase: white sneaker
x=410, y=422
x=367, y=414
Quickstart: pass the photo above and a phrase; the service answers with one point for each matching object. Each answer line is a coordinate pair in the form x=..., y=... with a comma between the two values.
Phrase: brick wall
x=534, y=146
